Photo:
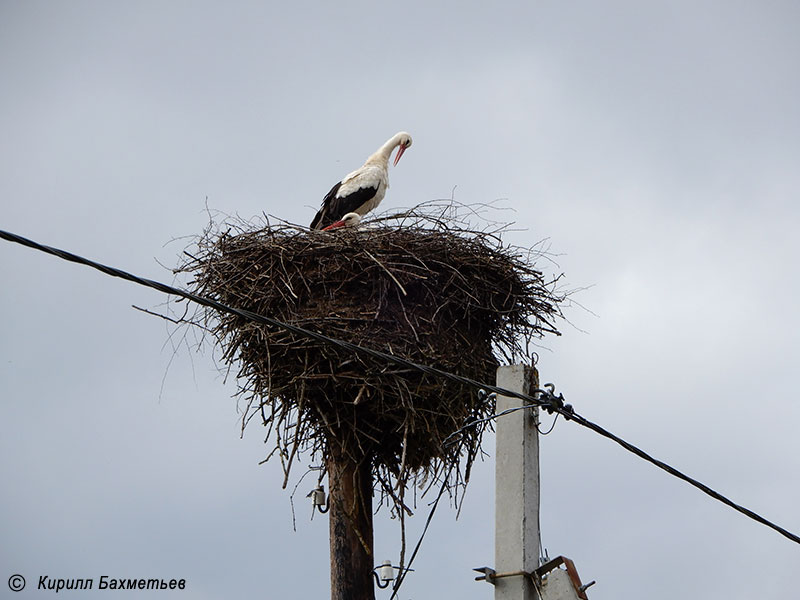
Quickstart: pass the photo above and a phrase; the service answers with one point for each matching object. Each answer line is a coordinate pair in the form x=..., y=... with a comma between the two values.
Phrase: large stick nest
x=421, y=285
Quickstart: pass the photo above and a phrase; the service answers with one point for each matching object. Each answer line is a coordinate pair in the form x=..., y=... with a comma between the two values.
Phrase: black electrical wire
x=549, y=431
x=675, y=473
x=544, y=398
x=476, y=422
x=401, y=576
x=202, y=300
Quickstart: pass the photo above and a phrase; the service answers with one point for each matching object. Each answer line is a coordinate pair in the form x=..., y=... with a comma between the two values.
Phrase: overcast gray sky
x=654, y=144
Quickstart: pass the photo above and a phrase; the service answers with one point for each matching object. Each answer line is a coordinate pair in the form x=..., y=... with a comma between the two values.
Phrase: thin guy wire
x=559, y=408
x=446, y=442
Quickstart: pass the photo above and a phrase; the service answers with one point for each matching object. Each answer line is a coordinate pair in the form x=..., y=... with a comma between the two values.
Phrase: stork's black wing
x=321, y=219
x=335, y=207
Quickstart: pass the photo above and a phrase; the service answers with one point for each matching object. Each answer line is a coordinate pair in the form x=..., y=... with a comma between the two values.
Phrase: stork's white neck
x=384, y=152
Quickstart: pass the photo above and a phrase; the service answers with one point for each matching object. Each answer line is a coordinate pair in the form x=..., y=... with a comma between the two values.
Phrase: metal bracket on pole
x=572, y=572
x=488, y=574
x=539, y=577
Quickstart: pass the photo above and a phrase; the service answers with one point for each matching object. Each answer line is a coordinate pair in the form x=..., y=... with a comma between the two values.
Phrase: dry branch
x=421, y=285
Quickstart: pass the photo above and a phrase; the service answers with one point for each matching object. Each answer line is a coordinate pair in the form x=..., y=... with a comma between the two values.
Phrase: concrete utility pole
x=516, y=549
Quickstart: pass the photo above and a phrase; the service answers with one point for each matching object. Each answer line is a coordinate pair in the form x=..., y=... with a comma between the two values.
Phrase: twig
x=380, y=264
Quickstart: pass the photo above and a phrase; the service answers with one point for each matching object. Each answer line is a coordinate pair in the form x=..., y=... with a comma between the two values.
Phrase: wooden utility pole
x=516, y=550
x=350, y=520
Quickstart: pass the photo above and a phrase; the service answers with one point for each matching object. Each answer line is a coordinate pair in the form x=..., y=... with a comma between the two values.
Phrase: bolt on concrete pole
x=516, y=487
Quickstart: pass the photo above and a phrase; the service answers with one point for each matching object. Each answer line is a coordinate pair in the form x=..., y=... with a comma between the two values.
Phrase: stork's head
x=349, y=220
x=403, y=142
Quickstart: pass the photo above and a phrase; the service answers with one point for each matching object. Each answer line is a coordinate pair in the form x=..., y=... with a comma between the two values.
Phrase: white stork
x=363, y=189
x=349, y=220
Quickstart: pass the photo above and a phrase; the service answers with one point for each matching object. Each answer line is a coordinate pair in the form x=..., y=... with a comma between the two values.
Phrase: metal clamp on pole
x=490, y=575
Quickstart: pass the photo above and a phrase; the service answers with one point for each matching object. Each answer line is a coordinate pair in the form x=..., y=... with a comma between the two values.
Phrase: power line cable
x=202, y=300
x=544, y=398
x=401, y=577
x=676, y=473
x=552, y=403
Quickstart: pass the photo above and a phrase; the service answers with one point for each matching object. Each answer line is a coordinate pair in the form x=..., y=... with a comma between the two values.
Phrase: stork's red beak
x=400, y=149
x=334, y=225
